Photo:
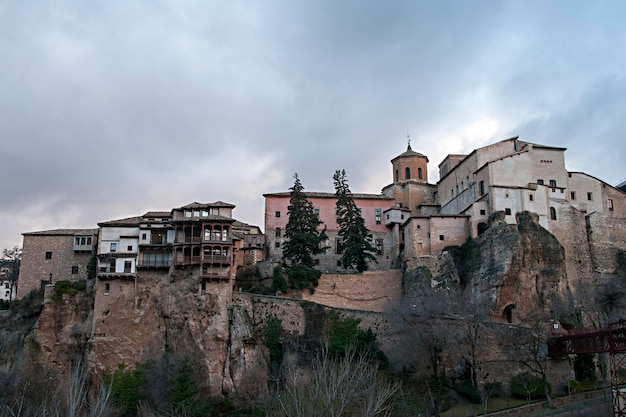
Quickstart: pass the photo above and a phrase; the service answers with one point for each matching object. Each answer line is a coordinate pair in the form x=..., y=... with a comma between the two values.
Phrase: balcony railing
x=188, y=239
x=187, y=260
x=217, y=258
x=215, y=275
x=165, y=263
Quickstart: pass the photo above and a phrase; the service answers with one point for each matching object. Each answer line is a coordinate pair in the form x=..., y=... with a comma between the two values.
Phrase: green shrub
x=271, y=338
x=570, y=385
x=67, y=287
x=126, y=388
x=528, y=386
x=585, y=367
x=278, y=280
x=303, y=277
x=466, y=389
x=344, y=334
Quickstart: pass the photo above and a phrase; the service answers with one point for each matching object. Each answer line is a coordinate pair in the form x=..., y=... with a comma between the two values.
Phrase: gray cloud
x=110, y=109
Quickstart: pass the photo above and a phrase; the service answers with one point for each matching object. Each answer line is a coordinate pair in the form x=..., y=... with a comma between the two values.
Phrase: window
x=316, y=262
x=113, y=247
x=442, y=237
x=590, y=196
x=278, y=232
x=552, y=183
x=378, y=213
x=75, y=270
x=552, y=213
x=397, y=175
x=277, y=244
x=419, y=226
x=316, y=211
x=107, y=288
x=338, y=245
x=278, y=214
x=48, y=255
x=540, y=182
x=481, y=187
x=144, y=236
x=407, y=173
x=419, y=173
x=507, y=211
x=82, y=240
x=572, y=195
x=610, y=204
x=482, y=212
x=128, y=267
x=129, y=248
x=531, y=197
x=379, y=246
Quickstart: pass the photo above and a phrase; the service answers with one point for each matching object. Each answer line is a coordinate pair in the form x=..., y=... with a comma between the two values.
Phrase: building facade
x=55, y=255
x=372, y=207
x=510, y=176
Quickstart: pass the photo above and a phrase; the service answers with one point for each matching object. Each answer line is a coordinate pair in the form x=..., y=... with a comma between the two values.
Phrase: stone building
x=55, y=255
x=512, y=176
x=8, y=289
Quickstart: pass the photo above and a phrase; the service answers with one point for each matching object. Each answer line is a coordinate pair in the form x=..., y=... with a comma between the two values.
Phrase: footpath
x=593, y=403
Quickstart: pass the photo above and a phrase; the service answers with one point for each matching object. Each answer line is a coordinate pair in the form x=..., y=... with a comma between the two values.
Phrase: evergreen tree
x=303, y=238
x=356, y=239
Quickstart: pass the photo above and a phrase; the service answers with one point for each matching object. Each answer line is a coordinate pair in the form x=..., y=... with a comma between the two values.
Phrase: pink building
x=372, y=208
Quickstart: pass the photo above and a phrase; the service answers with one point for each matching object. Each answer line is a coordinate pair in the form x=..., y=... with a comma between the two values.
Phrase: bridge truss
x=611, y=340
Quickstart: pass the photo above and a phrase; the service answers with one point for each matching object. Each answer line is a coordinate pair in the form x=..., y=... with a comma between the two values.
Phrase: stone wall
x=371, y=290
x=607, y=235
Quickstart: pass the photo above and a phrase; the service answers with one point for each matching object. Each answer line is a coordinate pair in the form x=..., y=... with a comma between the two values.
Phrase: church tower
x=410, y=165
x=410, y=187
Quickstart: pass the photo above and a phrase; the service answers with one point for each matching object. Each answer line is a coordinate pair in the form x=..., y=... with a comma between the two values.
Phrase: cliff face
x=516, y=267
x=125, y=322
x=138, y=321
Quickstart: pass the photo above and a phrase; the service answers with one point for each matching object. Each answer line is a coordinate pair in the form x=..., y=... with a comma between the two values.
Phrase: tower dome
x=410, y=165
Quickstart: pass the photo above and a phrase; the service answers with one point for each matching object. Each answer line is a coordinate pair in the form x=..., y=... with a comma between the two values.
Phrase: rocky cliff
x=513, y=268
x=138, y=321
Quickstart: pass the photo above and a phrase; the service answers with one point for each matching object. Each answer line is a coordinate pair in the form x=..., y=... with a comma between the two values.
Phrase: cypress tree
x=303, y=237
x=356, y=239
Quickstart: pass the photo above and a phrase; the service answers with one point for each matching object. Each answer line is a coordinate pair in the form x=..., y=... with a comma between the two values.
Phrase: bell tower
x=410, y=165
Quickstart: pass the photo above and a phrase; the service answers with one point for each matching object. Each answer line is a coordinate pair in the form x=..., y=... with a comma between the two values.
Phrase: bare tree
x=426, y=332
x=332, y=387
x=528, y=346
x=70, y=399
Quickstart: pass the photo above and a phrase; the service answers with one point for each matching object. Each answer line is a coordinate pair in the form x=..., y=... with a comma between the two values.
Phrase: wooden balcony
x=187, y=260
x=154, y=264
x=217, y=276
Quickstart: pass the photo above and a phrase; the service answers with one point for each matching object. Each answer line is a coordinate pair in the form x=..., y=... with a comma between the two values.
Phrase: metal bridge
x=611, y=340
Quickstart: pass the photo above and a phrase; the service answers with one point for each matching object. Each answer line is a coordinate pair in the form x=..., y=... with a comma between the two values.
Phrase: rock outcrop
x=511, y=267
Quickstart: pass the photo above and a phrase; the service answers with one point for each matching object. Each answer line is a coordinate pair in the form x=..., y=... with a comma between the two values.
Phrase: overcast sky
x=109, y=109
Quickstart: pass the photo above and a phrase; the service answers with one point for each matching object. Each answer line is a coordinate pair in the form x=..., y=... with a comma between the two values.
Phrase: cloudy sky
x=110, y=108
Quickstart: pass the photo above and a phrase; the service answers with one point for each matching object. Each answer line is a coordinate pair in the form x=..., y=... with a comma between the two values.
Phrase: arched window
x=397, y=175
x=407, y=173
x=552, y=213
x=419, y=173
